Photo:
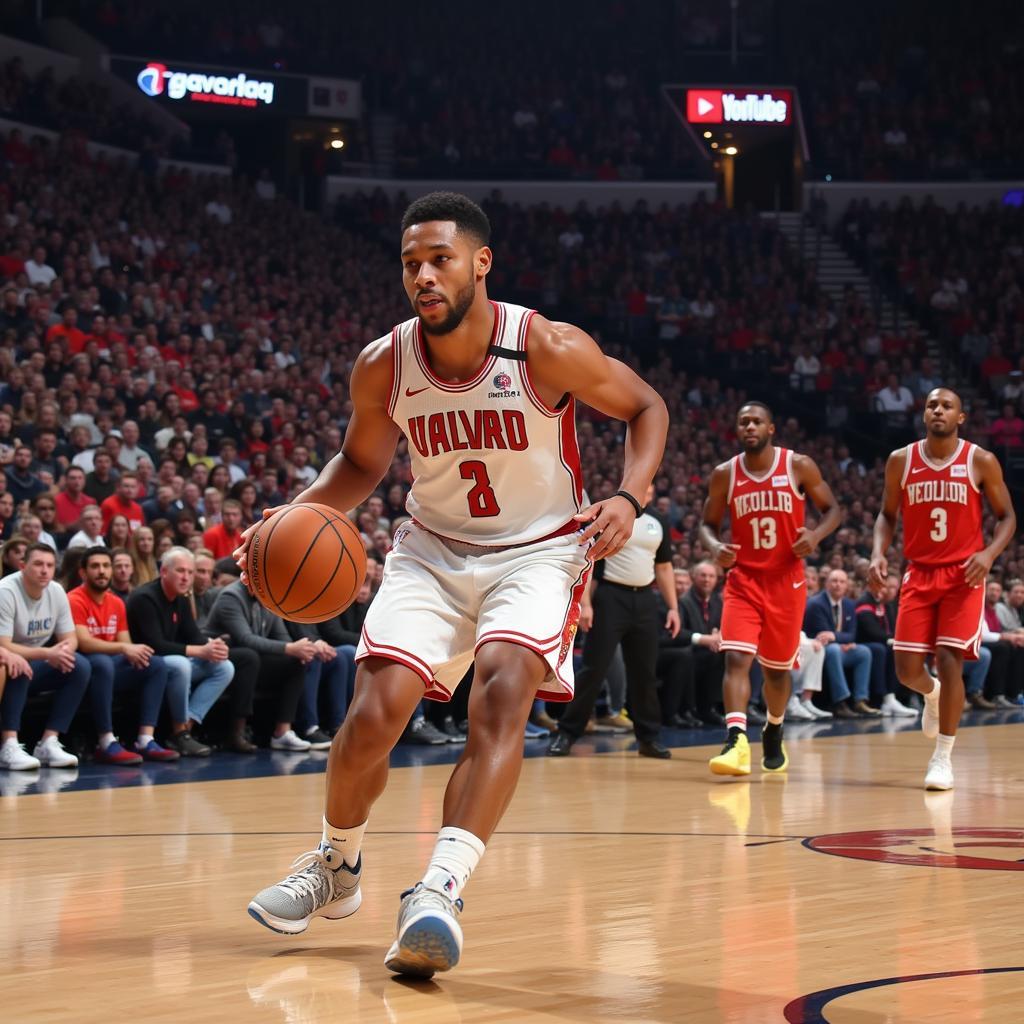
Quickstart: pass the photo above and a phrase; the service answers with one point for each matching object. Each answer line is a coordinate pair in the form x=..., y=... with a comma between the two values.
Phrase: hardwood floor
x=618, y=889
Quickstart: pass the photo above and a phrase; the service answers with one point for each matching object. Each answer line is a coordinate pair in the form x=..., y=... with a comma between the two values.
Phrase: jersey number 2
x=482, y=502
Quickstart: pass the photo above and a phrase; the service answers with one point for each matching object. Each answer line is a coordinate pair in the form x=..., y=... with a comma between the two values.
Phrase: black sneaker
x=187, y=745
x=421, y=732
x=560, y=745
x=773, y=750
x=317, y=739
x=452, y=731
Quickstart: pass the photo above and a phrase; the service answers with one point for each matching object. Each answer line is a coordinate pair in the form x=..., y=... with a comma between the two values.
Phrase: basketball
x=306, y=563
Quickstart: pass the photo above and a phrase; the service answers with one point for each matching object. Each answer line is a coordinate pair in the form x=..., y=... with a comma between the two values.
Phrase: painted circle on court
x=810, y=1009
x=972, y=849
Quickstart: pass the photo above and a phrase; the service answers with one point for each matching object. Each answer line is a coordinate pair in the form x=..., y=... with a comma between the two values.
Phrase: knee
x=82, y=670
x=501, y=704
x=948, y=661
x=179, y=669
x=156, y=669
x=908, y=666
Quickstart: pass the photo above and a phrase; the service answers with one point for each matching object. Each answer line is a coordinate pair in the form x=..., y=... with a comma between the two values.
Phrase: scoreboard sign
x=739, y=106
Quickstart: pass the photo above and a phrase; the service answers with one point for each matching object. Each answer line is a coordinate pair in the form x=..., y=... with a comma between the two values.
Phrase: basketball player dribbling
x=936, y=486
x=764, y=490
x=490, y=569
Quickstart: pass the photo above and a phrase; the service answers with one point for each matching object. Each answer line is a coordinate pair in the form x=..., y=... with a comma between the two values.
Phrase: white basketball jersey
x=492, y=464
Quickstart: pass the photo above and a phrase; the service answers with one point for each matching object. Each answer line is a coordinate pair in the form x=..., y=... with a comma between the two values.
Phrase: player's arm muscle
x=814, y=486
x=370, y=440
x=990, y=478
x=885, y=524
x=564, y=358
x=714, y=507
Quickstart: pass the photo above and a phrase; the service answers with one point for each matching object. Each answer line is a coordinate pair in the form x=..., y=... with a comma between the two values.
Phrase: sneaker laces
x=312, y=874
x=424, y=896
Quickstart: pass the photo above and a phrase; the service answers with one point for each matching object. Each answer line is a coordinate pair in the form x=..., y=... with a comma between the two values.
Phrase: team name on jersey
x=763, y=501
x=928, y=491
x=468, y=430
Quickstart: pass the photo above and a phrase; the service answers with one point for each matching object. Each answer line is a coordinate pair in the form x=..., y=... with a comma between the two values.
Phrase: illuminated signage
x=236, y=91
x=728, y=106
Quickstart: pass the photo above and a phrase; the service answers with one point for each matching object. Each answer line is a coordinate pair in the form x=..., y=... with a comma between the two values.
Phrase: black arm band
x=637, y=508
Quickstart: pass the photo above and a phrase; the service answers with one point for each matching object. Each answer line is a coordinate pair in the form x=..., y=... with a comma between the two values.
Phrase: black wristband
x=629, y=497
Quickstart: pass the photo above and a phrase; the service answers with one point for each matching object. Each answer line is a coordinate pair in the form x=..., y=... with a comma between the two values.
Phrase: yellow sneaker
x=734, y=758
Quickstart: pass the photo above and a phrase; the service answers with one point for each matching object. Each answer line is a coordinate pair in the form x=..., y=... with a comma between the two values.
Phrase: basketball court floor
x=617, y=889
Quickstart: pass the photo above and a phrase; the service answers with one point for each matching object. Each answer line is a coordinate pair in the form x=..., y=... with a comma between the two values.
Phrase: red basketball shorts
x=763, y=613
x=937, y=607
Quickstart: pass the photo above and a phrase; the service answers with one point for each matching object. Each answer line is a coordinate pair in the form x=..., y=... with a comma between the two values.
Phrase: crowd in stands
x=175, y=354
x=961, y=272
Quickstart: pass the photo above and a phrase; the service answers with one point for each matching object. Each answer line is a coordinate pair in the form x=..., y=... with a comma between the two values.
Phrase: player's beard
x=757, y=447
x=457, y=311
x=941, y=430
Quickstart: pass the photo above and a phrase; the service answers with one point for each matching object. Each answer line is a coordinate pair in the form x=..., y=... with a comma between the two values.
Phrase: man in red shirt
x=72, y=500
x=68, y=330
x=122, y=503
x=102, y=627
x=223, y=538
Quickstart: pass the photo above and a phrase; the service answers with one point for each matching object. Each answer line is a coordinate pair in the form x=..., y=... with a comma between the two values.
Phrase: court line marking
x=419, y=832
x=809, y=1009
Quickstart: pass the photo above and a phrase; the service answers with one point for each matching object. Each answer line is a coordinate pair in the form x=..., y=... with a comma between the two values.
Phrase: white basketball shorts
x=441, y=601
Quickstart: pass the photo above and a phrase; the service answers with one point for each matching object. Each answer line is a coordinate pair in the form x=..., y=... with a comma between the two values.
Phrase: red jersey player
x=764, y=490
x=936, y=485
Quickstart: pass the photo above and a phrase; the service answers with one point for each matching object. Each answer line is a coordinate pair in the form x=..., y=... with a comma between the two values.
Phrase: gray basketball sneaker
x=429, y=936
x=322, y=885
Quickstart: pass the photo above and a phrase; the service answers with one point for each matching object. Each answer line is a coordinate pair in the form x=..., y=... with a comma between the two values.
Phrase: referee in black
x=626, y=612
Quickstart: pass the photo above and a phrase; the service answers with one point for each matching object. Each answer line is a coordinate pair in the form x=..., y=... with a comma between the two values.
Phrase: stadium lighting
x=714, y=145
x=337, y=143
x=707, y=135
x=731, y=150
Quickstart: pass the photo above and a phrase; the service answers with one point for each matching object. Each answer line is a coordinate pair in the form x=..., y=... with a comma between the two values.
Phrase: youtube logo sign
x=704, y=106
x=725, y=106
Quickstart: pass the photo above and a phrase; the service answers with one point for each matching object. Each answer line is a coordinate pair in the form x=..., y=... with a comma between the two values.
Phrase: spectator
x=101, y=483
x=222, y=539
x=22, y=483
x=45, y=508
x=277, y=662
x=701, y=612
x=119, y=534
x=31, y=528
x=6, y=515
x=160, y=616
x=204, y=592
x=166, y=505
x=34, y=611
x=116, y=664
x=1008, y=430
x=142, y=547
x=122, y=502
x=12, y=555
x=830, y=619
x=91, y=533
x=873, y=631
x=1005, y=644
x=72, y=500
x=122, y=573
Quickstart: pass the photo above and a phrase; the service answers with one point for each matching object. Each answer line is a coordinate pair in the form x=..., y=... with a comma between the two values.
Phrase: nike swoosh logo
x=740, y=483
x=796, y=586
x=409, y=393
x=919, y=469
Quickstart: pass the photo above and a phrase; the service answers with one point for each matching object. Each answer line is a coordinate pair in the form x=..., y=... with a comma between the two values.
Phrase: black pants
x=630, y=617
x=278, y=675
x=708, y=673
x=675, y=674
x=1006, y=674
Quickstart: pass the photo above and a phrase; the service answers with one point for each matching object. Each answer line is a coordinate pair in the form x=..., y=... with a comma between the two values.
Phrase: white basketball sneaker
x=322, y=886
x=930, y=718
x=796, y=712
x=891, y=707
x=429, y=936
x=52, y=755
x=939, y=774
x=15, y=758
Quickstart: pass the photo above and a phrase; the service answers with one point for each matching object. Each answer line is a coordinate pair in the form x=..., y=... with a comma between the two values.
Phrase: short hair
x=97, y=551
x=74, y=469
x=89, y=509
x=760, y=405
x=130, y=474
x=231, y=503
x=953, y=391
x=39, y=546
x=172, y=555
x=469, y=219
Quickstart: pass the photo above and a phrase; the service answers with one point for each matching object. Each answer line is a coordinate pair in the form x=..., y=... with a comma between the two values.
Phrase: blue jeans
x=976, y=672
x=193, y=685
x=338, y=679
x=112, y=672
x=856, y=661
x=68, y=689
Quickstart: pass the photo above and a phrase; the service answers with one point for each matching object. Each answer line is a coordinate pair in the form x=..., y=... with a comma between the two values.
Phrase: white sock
x=934, y=695
x=456, y=855
x=736, y=720
x=142, y=741
x=347, y=841
x=775, y=719
x=106, y=739
x=944, y=746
